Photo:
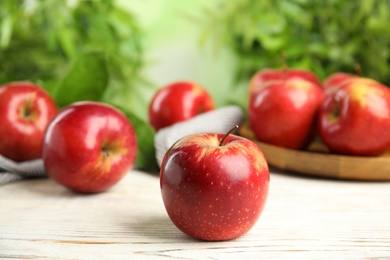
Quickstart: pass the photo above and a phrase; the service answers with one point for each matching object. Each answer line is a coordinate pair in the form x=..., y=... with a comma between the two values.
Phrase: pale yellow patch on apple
x=260, y=163
x=110, y=154
x=364, y=81
x=299, y=84
x=359, y=93
x=210, y=144
x=197, y=90
x=361, y=88
x=199, y=140
x=371, y=98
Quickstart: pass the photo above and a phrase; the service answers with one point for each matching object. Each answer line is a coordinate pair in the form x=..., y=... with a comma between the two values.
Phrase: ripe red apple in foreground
x=283, y=114
x=355, y=119
x=25, y=111
x=214, y=186
x=89, y=146
x=263, y=77
x=178, y=102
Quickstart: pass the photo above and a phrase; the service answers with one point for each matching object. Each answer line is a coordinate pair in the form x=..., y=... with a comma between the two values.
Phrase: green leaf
x=146, y=159
x=66, y=39
x=86, y=80
x=323, y=36
x=5, y=32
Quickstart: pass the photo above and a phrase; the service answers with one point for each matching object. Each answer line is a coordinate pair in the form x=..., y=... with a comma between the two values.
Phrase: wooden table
x=305, y=218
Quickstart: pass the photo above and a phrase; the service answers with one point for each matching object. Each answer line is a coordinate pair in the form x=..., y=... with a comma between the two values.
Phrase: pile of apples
x=348, y=113
x=86, y=146
x=214, y=185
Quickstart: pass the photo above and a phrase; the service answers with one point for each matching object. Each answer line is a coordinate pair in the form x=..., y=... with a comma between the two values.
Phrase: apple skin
x=284, y=113
x=178, y=102
x=214, y=192
x=25, y=111
x=89, y=147
x=263, y=77
x=355, y=119
x=335, y=80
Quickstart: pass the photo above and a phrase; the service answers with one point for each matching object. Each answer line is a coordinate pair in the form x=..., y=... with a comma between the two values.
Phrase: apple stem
x=226, y=135
x=105, y=152
x=358, y=70
x=335, y=112
x=284, y=64
x=106, y=148
x=28, y=109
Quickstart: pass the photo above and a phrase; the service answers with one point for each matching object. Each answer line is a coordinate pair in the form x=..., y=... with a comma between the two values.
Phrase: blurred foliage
x=78, y=50
x=38, y=39
x=145, y=137
x=79, y=83
x=324, y=36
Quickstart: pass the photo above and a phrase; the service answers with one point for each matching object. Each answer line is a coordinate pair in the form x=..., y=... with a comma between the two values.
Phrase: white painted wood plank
x=305, y=218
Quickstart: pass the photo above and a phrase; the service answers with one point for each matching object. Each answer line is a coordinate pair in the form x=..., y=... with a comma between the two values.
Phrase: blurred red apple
x=178, y=102
x=355, y=119
x=25, y=111
x=89, y=147
x=214, y=187
x=283, y=114
x=263, y=77
x=335, y=80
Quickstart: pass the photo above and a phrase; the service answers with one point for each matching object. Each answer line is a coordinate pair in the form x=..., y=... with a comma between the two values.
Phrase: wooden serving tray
x=323, y=164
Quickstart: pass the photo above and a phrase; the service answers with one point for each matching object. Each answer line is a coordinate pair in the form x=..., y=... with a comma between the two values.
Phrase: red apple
x=214, y=187
x=178, y=102
x=335, y=80
x=25, y=111
x=263, y=77
x=355, y=119
x=283, y=114
x=89, y=146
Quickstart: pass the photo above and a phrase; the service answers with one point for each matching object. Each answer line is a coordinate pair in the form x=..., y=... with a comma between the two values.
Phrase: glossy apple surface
x=263, y=77
x=25, y=111
x=283, y=114
x=178, y=102
x=89, y=146
x=355, y=119
x=212, y=191
x=335, y=80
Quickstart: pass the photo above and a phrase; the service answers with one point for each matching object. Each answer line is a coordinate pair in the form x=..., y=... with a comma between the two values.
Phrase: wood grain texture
x=305, y=218
x=324, y=164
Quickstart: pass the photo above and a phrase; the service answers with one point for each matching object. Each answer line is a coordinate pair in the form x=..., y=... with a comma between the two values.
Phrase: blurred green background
x=121, y=52
x=134, y=47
